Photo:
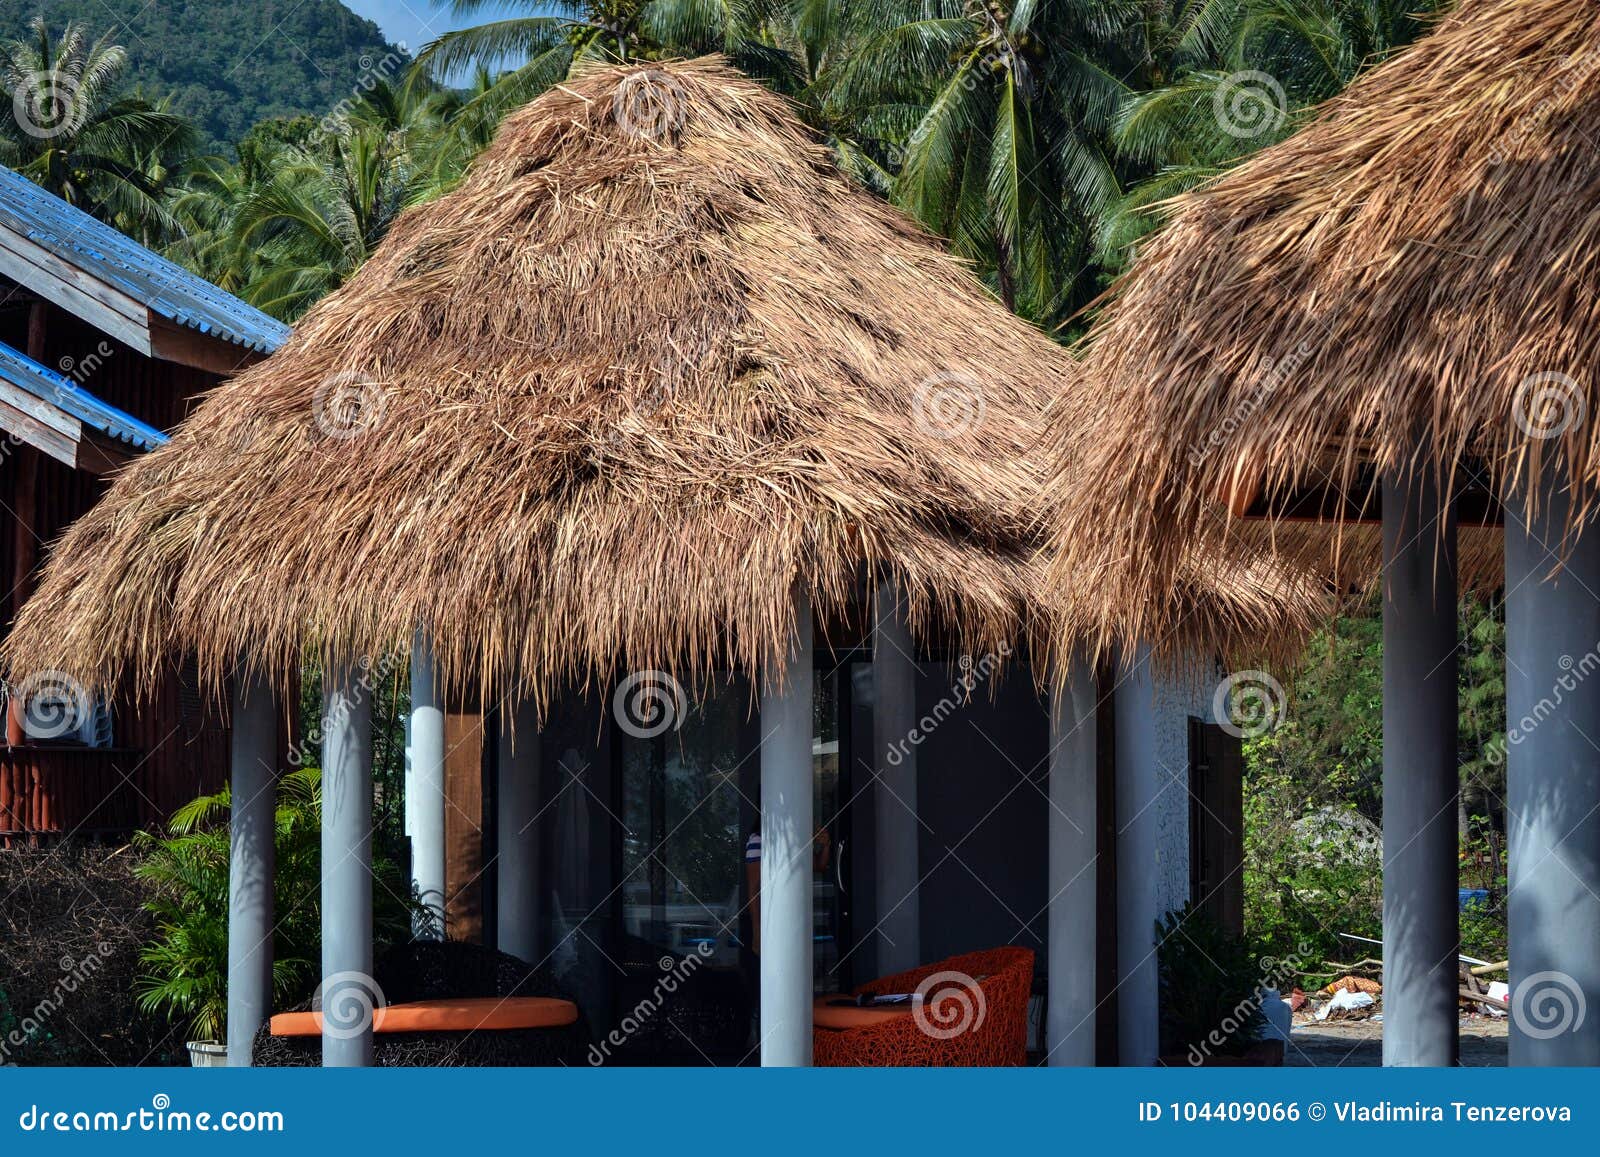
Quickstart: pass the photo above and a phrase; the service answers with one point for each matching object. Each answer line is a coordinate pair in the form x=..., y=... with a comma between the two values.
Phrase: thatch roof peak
x=654, y=362
x=1419, y=265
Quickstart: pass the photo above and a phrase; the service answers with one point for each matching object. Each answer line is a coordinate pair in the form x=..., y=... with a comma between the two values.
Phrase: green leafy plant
x=1211, y=985
x=183, y=970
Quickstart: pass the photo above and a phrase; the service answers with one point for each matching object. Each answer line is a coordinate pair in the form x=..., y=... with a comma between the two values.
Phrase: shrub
x=1211, y=985
x=184, y=967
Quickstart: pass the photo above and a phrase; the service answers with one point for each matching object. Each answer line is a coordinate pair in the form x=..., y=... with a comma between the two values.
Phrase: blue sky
x=414, y=22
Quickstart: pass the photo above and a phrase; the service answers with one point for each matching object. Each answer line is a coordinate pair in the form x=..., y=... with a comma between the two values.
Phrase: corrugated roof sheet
x=101, y=252
x=47, y=385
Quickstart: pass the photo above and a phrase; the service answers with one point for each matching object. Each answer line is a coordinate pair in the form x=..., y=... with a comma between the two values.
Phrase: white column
x=786, y=857
x=1553, y=784
x=1421, y=780
x=1138, y=779
x=348, y=990
x=894, y=720
x=1071, y=936
x=250, y=865
x=517, y=839
x=425, y=806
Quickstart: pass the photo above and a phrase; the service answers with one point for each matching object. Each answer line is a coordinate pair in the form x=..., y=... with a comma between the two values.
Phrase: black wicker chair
x=432, y=970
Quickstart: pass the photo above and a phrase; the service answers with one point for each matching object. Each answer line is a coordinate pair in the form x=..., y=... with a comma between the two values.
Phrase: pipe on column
x=251, y=861
x=348, y=992
x=1070, y=936
x=1421, y=781
x=1138, y=780
x=1553, y=782
x=786, y=855
x=425, y=809
x=894, y=721
x=517, y=839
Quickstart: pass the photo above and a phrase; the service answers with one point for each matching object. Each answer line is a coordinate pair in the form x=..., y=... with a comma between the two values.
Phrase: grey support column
x=254, y=760
x=1070, y=1015
x=1421, y=929
x=517, y=839
x=786, y=857
x=1138, y=779
x=425, y=783
x=1553, y=785
x=894, y=721
x=348, y=991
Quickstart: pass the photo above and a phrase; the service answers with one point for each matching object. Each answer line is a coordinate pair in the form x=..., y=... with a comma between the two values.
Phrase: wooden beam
x=189, y=347
x=36, y=268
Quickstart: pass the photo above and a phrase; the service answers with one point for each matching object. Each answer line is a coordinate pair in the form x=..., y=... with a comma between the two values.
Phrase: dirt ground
x=1332, y=1044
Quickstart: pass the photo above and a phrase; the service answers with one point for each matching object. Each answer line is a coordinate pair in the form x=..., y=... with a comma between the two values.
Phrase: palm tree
x=994, y=113
x=71, y=132
x=539, y=49
x=1227, y=77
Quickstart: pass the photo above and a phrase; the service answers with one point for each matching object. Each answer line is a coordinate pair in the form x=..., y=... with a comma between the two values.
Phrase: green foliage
x=1314, y=791
x=71, y=130
x=227, y=65
x=184, y=968
x=1211, y=986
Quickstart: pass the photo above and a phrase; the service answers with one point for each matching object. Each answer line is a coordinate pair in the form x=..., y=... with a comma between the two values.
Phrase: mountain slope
x=229, y=64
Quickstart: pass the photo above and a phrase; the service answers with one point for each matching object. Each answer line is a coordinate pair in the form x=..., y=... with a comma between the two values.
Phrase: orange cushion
x=841, y=1017
x=466, y=1015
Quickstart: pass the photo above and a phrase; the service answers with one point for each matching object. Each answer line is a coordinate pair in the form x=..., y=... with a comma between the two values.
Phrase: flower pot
x=208, y=1054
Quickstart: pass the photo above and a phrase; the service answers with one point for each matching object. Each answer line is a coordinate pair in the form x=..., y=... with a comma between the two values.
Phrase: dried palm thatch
x=654, y=363
x=1420, y=266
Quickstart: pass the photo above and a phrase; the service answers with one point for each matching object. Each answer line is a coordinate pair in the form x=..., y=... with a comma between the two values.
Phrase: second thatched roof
x=654, y=363
x=1420, y=267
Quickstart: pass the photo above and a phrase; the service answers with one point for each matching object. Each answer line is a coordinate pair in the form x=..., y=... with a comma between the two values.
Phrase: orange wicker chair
x=973, y=1011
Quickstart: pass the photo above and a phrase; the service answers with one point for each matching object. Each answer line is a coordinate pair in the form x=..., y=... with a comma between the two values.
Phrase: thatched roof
x=653, y=363
x=1418, y=266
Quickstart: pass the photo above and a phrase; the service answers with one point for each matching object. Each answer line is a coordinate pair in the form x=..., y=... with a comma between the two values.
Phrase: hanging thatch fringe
x=597, y=410
x=1420, y=266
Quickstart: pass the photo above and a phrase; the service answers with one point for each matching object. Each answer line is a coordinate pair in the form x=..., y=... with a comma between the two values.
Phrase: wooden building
x=104, y=346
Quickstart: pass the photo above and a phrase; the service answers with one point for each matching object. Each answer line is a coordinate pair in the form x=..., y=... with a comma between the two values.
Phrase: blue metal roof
x=47, y=385
x=101, y=252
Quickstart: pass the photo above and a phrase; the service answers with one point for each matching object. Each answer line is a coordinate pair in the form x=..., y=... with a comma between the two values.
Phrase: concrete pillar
x=254, y=760
x=1553, y=785
x=787, y=829
x=349, y=994
x=1138, y=779
x=1071, y=939
x=898, y=866
x=425, y=804
x=517, y=839
x=1421, y=925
